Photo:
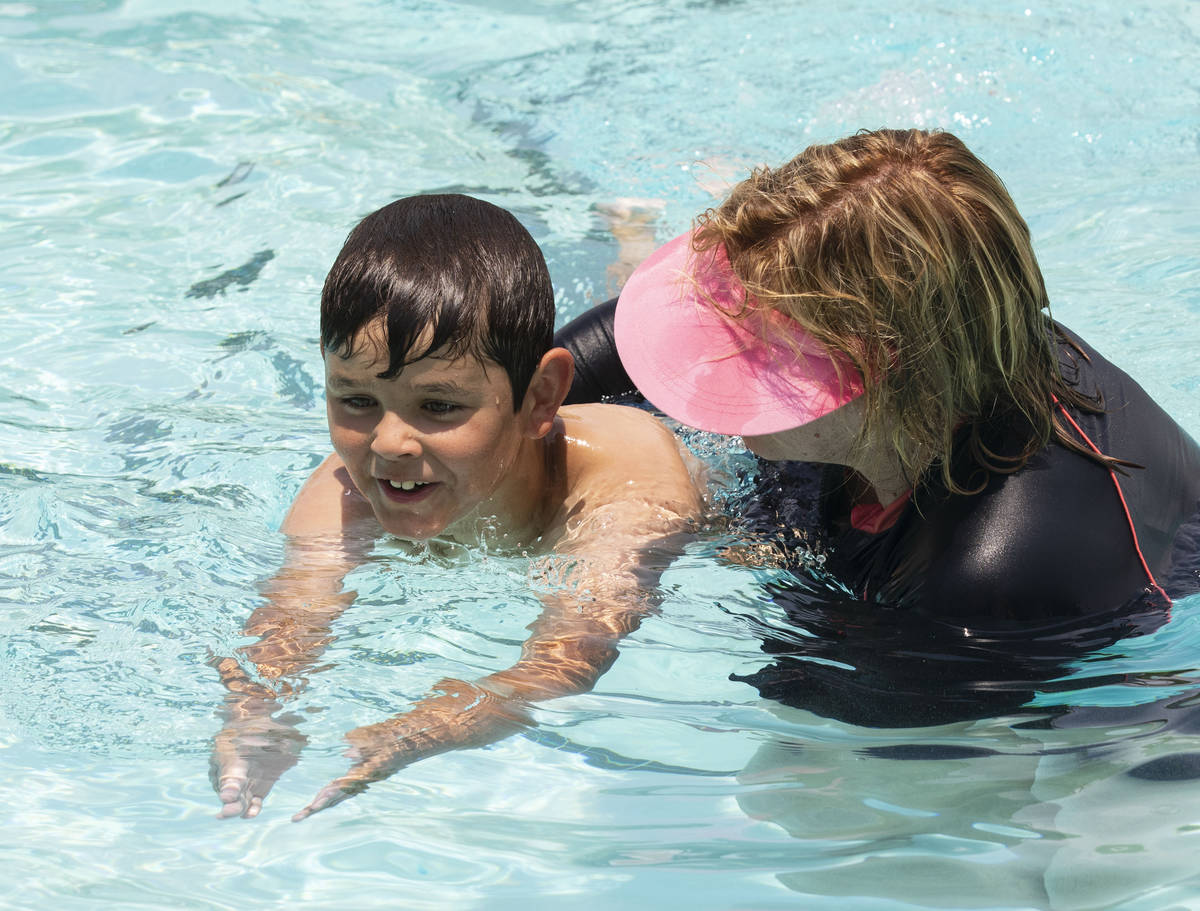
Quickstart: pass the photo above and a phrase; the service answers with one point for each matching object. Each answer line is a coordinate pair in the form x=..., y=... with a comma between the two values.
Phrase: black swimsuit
x=1044, y=563
x=1063, y=537
x=599, y=373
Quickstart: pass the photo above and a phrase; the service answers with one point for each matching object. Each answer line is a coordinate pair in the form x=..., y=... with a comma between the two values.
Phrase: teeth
x=407, y=485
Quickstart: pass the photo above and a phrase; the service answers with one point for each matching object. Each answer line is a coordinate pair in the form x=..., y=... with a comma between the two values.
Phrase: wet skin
x=431, y=450
x=438, y=451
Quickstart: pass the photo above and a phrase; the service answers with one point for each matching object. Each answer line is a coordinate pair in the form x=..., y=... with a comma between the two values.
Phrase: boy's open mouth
x=407, y=485
x=406, y=490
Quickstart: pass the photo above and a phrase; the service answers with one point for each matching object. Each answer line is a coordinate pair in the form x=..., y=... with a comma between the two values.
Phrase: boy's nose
x=395, y=438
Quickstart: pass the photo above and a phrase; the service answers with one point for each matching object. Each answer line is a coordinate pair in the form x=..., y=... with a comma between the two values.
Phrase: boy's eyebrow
x=443, y=387
x=434, y=387
x=337, y=381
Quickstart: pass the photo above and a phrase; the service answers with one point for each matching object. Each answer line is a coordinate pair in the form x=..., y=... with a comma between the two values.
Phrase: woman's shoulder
x=1048, y=541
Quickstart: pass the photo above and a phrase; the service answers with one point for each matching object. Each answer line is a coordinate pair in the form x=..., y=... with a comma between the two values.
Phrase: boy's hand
x=374, y=748
x=374, y=741
x=459, y=715
x=248, y=757
x=257, y=743
x=256, y=746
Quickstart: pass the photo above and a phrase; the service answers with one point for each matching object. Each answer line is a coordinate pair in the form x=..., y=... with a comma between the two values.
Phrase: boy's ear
x=549, y=386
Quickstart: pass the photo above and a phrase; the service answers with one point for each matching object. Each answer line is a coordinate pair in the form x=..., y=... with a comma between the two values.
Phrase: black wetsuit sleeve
x=598, y=370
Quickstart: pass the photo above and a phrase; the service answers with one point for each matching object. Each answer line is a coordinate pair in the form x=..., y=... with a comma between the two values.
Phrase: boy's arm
x=573, y=642
x=328, y=535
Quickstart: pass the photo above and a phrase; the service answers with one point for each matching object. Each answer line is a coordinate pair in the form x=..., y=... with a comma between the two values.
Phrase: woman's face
x=830, y=438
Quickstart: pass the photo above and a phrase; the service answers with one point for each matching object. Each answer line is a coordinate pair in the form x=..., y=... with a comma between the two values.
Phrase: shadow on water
x=243, y=275
x=924, y=769
x=873, y=665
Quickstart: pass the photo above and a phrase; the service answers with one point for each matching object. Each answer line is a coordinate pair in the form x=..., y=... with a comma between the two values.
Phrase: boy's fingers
x=231, y=790
x=240, y=793
x=229, y=774
x=328, y=796
x=236, y=807
x=237, y=797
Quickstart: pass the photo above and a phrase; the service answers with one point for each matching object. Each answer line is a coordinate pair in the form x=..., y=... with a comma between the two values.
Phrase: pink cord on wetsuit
x=1120, y=495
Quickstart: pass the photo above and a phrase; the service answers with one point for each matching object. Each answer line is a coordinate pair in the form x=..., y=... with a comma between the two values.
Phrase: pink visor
x=711, y=371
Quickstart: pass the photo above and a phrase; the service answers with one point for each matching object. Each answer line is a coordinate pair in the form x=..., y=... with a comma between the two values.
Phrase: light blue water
x=158, y=411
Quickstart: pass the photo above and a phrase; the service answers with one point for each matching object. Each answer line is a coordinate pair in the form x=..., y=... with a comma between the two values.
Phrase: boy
x=443, y=395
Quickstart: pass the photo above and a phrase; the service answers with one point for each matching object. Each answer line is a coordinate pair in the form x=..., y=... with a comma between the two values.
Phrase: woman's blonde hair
x=902, y=250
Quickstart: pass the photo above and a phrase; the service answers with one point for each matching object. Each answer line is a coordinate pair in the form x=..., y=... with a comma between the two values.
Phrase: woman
x=875, y=305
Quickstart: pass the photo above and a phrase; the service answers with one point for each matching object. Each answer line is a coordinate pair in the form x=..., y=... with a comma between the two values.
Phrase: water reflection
x=954, y=766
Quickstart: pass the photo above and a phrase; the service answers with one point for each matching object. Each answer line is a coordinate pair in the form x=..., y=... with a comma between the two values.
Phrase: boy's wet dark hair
x=458, y=269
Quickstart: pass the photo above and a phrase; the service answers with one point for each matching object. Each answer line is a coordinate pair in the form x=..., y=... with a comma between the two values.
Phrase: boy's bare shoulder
x=607, y=421
x=615, y=428
x=328, y=503
x=620, y=454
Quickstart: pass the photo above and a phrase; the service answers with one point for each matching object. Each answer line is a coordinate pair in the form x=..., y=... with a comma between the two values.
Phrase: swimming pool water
x=178, y=176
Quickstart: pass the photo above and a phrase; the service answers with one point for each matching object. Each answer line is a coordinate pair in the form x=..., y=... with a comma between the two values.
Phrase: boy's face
x=431, y=449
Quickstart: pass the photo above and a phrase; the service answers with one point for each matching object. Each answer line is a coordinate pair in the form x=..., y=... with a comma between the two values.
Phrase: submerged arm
x=573, y=642
x=256, y=745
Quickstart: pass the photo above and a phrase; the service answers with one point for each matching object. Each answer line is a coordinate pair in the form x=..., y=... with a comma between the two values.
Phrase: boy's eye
x=440, y=408
x=358, y=402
